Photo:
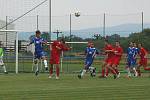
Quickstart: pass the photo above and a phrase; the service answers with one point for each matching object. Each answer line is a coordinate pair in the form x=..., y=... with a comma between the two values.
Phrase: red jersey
x=57, y=51
x=142, y=52
x=118, y=50
x=143, y=60
x=109, y=47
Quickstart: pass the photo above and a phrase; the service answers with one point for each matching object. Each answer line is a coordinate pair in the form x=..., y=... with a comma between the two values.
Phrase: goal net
x=9, y=43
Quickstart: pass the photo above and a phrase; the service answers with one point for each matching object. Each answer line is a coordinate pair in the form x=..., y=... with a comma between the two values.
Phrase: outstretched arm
x=31, y=41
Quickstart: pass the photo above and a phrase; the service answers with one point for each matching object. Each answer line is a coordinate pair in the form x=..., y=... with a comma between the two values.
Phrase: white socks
x=45, y=63
x=128, y=70
x=4, y=68
x=83, y=72
x=135, y=72
x=37, y=67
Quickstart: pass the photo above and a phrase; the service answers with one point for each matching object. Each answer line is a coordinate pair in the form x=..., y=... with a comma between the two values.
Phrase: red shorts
x=143, y=62
x=109, y=60
x=116, y=61
x=54, y=60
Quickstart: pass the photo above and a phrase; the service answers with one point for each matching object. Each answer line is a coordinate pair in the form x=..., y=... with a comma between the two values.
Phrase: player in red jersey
x=107, y=45
x=118, y=51
x=143, y=59
x=109, y=51
x=109, y=60
x=56, y=49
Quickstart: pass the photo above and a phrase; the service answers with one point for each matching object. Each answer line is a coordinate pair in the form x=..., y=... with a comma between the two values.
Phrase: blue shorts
x=88, y=63
x=131, y=63
x=39, y=55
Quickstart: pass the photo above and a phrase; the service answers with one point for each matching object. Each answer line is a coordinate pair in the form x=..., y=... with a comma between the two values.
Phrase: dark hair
x=140, y=44
x=37, y=31
x=118, y=41
x=62, y=40
x=106, y=40
x=131, y=42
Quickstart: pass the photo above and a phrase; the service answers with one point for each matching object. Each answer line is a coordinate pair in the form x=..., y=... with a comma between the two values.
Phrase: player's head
x=139, y=45
x=134, y=44
x=106, y=42
x=131, y=44
x=92, y=44
x=89, y=44
x=38, y=33
x=117, y=43
x=62, y=41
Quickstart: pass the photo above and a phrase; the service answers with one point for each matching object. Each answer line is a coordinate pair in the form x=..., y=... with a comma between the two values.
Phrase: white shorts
x=1, y=61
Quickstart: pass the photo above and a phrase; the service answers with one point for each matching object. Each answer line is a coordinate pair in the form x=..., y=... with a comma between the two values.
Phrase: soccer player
x=136, y=51
x=1, y=59
x=143, y=59
x=118, y=51
x=39, y=52
x=109, y=50
x=90, y=54
x=56, y=49
x=131, y=59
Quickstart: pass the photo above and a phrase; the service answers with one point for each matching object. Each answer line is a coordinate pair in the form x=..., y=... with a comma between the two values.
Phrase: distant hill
x=123, y=30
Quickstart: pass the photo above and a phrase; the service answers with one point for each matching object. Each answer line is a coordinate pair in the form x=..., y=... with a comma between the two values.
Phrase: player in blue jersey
x=131, y=59
x=90, y=54
x=135, y=49
x=39, y=52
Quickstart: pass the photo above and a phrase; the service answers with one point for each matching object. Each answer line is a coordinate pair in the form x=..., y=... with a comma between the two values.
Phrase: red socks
x=103, y=72
x=117, y=71
x=51, y=71
x=107, y=71
x=139, y=72
x=146, y=68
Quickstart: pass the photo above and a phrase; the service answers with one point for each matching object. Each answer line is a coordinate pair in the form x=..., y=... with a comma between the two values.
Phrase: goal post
x=16, y=48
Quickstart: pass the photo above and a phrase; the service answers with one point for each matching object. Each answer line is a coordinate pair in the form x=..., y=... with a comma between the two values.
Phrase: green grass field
x=26, y=86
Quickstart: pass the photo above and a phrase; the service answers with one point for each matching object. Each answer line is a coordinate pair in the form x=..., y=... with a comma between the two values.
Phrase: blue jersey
x=38, y=47
x=136, y=51
x=131, y=54
x=38, y=44
x=90, y=55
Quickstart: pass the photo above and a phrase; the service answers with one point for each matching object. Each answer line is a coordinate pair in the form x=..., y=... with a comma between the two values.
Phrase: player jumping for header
x=39, y=52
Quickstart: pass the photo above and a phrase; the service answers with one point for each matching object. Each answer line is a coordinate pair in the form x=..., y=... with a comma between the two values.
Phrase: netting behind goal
x=8, y=43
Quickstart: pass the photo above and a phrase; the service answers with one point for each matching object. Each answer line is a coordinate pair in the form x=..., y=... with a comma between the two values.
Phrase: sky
x=117, y=12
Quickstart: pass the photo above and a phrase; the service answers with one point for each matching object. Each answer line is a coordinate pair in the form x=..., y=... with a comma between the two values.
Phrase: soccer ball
x=92, y=71
x=77, y=14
